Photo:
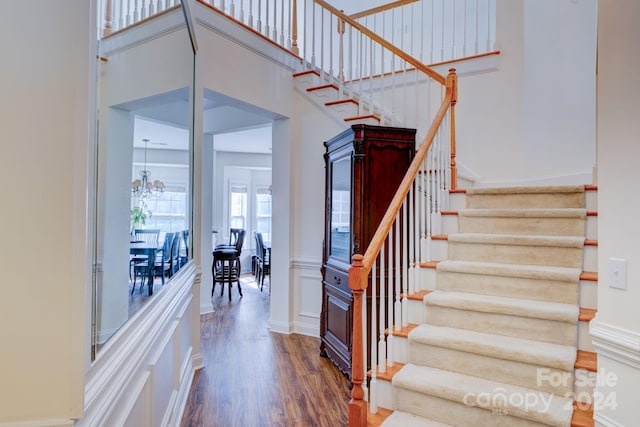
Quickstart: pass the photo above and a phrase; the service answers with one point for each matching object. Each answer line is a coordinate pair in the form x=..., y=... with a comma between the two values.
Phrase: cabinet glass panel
x=341, y=209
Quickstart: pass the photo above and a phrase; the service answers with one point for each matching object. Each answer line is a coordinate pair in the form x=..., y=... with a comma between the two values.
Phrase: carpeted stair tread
x=525, y=213
x=562, y=274
x=405, y=419
x=560, y=312
x=483, y=393
x=518, y=240
x=498, y=346
x=526, y=190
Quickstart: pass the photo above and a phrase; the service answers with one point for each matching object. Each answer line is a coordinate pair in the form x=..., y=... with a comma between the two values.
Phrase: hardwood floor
x=253, y=377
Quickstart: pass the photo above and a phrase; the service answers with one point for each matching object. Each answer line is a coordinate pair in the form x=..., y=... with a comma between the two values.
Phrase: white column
x=281, y=291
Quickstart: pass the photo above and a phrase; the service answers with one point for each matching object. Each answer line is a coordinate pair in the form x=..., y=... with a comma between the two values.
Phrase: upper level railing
x=435, y=31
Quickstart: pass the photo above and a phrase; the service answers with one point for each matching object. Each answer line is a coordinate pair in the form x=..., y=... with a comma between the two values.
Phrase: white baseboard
x=604, y=421
x=307, y=329
x=281, y=327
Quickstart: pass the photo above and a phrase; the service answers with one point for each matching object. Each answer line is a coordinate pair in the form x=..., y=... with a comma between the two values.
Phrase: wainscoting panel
x=307, y=283
x=142, y=375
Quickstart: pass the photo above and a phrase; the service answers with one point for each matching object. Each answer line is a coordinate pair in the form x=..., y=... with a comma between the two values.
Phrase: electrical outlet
x=617, y=273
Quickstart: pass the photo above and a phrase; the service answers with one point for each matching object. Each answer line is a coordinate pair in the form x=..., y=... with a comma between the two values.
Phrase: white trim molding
x=616, y=343
x=306, y=263
x=603, y=420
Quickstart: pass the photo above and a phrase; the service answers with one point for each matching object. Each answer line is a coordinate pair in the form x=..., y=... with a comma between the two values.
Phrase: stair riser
x=491, y=368
x=454, y=413
x=328, y=94
x=383, y=394
x=450, y=224
x=590, y=258
x=526, y=201
x=588, y=294
x=584, y=338
x=592, y=228
x=584, y=385
x=513, y=287
x=416, y=311
x=516, y=254
x=347, y=109
x=535, y=329
x=522, y=226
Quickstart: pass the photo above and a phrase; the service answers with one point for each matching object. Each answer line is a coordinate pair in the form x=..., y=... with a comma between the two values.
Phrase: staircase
x=502, y=335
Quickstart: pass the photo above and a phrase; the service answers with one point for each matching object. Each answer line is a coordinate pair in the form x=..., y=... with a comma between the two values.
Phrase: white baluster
x=412, y=240
x=442, y=25
x=390, y=286
x=433, y=30
x=330, y=32
x=313, y=35
x=453, y=31
x=119, y=14
x=405, y=270
x=364, y=341
x=136, y=13
x=373, y=397
x=382, y=346
x=464, y=30
x=282, y=28
x=266, y=18
x=250, y=22
x=475, y=50
x=152, y=9
x=488, y=25
x=275, y=21
x=259, y=28
x=397, y=308
x=323, y=72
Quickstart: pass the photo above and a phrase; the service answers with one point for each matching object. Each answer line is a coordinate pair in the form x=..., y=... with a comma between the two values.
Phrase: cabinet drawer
x=337, y=279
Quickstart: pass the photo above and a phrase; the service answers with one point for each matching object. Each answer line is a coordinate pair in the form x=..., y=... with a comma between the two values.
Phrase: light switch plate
x=617, y=273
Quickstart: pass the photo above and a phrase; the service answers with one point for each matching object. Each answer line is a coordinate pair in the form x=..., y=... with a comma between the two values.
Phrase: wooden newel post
x=357, y=405
x=452, y=85
x=294, y=29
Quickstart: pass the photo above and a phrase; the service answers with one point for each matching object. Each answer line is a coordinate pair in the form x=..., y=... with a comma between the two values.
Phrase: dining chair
x=150, y=236
x=162, y=264
x=263, y=267
x=184, y=248
x=175, y=253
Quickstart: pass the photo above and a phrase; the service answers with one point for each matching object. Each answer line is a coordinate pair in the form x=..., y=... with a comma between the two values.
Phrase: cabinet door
x=337, y=318
x=340, y=212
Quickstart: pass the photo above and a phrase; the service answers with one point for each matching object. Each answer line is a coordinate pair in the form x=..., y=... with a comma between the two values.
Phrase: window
x=168, y=210
x=263, y=212
x=238, y=206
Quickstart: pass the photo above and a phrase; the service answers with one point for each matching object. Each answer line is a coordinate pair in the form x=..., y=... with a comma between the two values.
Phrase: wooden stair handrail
x=396, y=203
x=362, y=264
x=373, y=36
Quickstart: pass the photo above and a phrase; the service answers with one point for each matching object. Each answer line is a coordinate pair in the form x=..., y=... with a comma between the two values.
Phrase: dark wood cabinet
x=364, y=167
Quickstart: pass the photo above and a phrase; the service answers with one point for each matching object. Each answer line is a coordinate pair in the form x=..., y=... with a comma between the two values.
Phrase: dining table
x=150, y=250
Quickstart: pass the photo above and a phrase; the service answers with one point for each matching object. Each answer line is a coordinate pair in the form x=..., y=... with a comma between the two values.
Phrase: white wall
x=46, y=109
x=616, y=329
x=532, y=121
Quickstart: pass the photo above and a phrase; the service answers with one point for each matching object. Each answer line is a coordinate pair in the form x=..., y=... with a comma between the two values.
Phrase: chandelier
x=145, y=187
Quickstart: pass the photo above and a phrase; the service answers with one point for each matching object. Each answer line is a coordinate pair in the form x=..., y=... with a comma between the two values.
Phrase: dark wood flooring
x=253, y=377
